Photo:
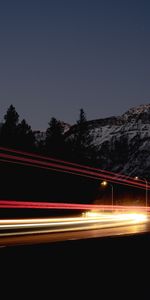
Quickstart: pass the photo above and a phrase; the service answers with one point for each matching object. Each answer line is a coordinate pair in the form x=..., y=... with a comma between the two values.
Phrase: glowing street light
x=146, y=190
x=105, y=183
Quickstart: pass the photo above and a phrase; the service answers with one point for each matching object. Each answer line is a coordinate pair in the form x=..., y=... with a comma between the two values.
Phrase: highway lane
x=89, y=225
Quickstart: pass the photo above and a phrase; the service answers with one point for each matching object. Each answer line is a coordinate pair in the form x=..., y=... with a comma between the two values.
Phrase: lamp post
x=146, y=189
x=105, y=183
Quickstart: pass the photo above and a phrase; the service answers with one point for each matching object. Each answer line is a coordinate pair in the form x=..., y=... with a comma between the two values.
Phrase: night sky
x=57, y=56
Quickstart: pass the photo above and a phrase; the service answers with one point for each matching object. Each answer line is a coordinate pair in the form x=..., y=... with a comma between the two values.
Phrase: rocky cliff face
x=123, y=142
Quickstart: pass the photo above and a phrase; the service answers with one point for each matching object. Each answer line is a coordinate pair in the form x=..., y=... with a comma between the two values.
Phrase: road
x=91, y=224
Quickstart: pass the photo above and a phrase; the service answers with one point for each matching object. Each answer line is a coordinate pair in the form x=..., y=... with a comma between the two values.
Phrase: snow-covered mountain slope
x=134, y=121
x=123, y=142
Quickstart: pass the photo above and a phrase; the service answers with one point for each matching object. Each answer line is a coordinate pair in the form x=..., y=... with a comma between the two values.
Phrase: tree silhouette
x=82, y=142
x=8, y=136
x=25, y=136
x=54, y=142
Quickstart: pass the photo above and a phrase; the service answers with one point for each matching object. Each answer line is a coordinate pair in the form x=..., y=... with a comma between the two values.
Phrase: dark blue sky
x=57, y=56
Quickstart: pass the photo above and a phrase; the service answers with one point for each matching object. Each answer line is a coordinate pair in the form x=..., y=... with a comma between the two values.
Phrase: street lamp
x=146, y=189
x=105, y=183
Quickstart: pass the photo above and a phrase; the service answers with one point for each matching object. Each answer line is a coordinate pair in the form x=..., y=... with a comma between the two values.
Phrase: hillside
x=123, y=142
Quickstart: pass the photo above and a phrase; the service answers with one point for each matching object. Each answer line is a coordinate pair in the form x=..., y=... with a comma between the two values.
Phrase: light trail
x=62, y=162
x=86, y=222
x=47, y=158
x=104, y=173
x=72, y=173
x=69, y=169
x=94, y=217
x=69, y=206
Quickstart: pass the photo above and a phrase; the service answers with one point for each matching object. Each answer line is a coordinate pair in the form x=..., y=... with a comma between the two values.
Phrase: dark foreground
x=116, y=267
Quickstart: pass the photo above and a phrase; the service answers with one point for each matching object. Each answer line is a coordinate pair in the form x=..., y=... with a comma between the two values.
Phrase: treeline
x=24, y=183
x=77, y=146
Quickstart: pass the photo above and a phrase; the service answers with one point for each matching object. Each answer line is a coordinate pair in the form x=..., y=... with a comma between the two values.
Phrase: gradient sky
x=57, y=56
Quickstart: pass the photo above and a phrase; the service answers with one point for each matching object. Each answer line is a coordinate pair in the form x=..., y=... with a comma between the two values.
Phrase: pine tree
x=25, y=136
x=54, y=142
x=82, y=143
x=8, y=136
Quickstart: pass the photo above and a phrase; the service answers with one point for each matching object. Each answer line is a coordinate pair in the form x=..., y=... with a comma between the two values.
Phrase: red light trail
x=69, y=172
x=45, y=158
x=70, y=206
x=80, y=170
x=93, y=216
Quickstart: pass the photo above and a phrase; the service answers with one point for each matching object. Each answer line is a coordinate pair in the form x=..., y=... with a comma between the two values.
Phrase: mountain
x=123, y=142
